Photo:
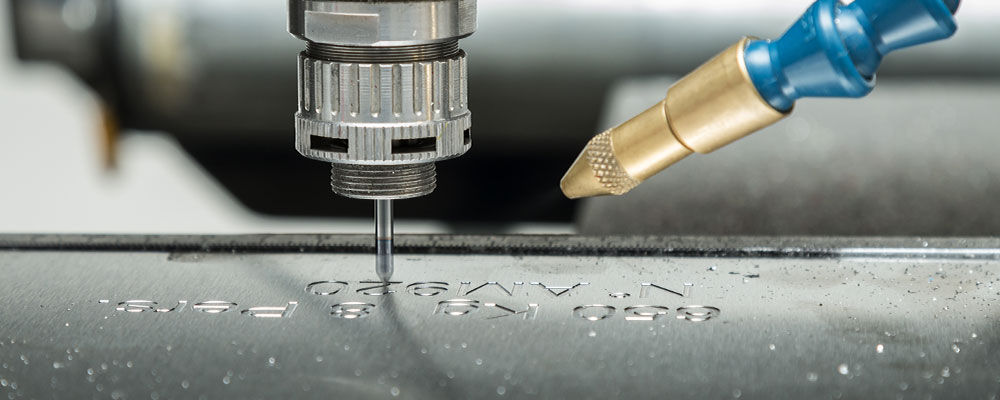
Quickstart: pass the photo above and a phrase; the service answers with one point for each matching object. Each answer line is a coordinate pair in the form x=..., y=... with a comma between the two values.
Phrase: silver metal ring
x=383, y=113
x=379, y=24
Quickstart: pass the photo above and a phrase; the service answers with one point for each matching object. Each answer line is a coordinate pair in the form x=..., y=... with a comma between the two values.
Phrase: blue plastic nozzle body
x=834, y=49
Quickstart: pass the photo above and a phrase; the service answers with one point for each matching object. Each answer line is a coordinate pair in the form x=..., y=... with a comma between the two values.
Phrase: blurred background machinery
x=914, y=158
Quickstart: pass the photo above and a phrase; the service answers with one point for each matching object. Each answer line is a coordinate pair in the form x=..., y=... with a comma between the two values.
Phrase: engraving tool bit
x=383, y=239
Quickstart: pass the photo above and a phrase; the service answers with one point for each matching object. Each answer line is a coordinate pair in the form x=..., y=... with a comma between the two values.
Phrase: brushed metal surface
x=838, y=318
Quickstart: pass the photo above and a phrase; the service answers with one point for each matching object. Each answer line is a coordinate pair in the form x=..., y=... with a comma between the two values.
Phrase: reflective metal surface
x=486, y=317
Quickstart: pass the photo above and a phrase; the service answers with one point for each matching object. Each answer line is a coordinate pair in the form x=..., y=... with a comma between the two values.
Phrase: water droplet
x=737, y=393
x=501, y=390
x=592, y=334
x=185, y=384
x=129, y=364
x=271, y=361
x=99, y=387
x=479, y=361
x=319, y=358
x=347, y=347
x=58, y=365
x=879, y=348
x=394, y=391
x=771, y=346
x=90, y=371
x=357, y=372
x=955, y=348
x=812, y=377
x=945, y=372
x=423, y=350
x=843, y=369
x=3, y=382
x=226, y=380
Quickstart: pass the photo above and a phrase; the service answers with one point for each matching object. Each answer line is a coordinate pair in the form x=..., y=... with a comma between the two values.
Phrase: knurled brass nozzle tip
x=596, y=171
x=709, y=108
x=617, y=160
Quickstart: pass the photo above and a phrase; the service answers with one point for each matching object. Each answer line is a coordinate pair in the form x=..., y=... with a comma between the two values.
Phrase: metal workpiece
x=292, y=317
x=712, y=106
x=383, y=91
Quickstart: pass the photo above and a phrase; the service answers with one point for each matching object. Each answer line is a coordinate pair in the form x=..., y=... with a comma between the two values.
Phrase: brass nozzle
x=707, y=109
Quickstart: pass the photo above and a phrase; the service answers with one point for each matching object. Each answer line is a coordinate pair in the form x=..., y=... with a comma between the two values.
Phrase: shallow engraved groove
x=353, y=78
x=317, y=92
x=375, y=91
x=607, y=169
x=305, y=95
x=397, y=90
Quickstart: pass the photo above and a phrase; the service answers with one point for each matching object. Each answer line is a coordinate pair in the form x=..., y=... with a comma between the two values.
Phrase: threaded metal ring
x=375, y=55
x=383, y=182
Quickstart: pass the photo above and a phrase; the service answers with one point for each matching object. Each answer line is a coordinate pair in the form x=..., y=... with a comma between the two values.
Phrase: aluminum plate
x=481, y=317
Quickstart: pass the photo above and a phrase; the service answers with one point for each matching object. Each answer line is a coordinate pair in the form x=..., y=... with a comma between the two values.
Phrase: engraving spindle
x=383, y=239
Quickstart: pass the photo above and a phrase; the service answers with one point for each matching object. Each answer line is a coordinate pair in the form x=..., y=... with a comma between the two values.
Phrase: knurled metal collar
x=379, y=24
x=390, y=113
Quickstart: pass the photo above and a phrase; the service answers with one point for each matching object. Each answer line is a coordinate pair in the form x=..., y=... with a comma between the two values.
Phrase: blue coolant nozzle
x=834, y=49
